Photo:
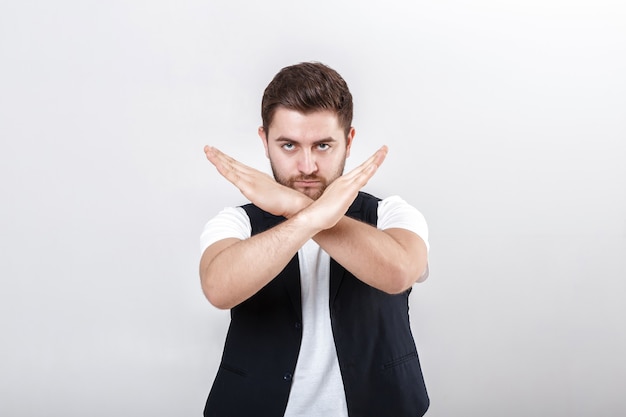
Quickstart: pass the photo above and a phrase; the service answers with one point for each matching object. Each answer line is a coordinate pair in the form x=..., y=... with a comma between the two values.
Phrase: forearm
x=233, y=271
x=391, y=260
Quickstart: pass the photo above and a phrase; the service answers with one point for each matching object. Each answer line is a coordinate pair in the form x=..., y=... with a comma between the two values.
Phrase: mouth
x=310, y=187
x=307, y=183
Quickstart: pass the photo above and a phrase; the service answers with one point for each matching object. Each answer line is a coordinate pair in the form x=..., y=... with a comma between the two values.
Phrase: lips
x=307, y=183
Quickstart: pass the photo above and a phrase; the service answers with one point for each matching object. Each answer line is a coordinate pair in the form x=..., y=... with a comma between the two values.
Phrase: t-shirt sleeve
x=394, y=212
x=231, y=222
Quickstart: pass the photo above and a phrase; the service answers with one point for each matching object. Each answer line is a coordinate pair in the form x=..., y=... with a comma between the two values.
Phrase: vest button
x=298, y=325
x=287, y=376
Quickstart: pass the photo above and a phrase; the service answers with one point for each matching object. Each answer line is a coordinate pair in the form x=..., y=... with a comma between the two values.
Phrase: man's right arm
x=233, y=270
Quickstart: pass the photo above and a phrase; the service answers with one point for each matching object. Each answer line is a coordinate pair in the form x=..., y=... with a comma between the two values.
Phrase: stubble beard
x=313, y=193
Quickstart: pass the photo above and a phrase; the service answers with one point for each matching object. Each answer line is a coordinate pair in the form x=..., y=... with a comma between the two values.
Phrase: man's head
x=307, y=132
x=306, y=88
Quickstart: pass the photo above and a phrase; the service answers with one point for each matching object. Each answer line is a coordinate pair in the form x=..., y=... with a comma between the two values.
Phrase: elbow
x=424, y=275
x=404, y=276
x=216, y=297
x=397, y=283
x=216, y=300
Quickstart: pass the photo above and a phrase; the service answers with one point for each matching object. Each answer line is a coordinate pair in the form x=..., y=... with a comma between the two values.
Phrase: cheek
x=281, y=164
x=337, y=159
x=330, y=166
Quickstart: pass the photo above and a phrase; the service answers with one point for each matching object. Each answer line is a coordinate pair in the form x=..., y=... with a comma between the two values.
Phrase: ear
x=349, y=139
x=263, y=137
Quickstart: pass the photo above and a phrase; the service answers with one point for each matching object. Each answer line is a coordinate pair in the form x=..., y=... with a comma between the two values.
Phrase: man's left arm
x=390, y=260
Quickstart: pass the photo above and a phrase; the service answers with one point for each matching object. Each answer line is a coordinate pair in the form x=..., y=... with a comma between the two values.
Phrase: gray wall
x=506, y=127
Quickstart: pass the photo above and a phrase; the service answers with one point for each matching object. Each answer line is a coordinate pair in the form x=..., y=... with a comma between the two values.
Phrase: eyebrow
x=317, y=142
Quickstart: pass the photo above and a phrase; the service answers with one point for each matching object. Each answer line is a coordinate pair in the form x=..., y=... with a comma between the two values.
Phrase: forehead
x=298, y=126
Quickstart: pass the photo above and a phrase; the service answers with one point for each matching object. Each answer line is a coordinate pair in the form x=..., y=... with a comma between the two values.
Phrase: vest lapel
x=291, y=281
x=291, y=273
x=336, y=276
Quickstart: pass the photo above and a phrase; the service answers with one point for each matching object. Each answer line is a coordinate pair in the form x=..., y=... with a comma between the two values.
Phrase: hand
x=258, y=187
x=327, y=210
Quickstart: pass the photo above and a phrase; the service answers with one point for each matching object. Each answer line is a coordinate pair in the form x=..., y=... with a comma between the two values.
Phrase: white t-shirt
x=317, y=388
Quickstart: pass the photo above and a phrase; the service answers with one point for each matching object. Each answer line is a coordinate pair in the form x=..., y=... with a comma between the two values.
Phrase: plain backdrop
x=506, y=124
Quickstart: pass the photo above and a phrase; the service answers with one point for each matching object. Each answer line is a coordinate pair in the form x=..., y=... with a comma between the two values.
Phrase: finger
x=218, y=157
x=221, y=161
x=225, y=165
x=376, y=159
x=238, y=174
x=380, y=155
x=367, y=170
x=211, y=154
x=215, y=157
x=364, y=176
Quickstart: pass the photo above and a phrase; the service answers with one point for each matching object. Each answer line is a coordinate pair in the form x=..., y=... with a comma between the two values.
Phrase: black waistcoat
x=377, y=355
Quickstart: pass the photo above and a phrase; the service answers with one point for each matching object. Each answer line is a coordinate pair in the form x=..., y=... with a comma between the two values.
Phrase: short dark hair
x=308, y=87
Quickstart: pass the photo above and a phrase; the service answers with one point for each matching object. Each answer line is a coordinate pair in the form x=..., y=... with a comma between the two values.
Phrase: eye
x=323, y=146
x=288, y=146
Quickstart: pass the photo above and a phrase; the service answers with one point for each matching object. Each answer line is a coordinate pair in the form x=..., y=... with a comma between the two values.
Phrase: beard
x=311, y=192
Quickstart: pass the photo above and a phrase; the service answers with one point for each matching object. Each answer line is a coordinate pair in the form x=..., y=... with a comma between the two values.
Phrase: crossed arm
x=232, y=270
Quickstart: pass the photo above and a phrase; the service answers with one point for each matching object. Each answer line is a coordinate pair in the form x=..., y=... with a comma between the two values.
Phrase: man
x=316, y=273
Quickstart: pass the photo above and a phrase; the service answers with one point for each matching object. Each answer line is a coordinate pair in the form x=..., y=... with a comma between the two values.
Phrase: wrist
x=298, y=203
x=304, y=221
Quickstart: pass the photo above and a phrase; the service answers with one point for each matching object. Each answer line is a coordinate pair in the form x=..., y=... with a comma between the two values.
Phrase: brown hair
x=308, y=87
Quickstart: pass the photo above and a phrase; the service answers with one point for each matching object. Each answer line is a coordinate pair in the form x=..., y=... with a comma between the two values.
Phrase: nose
x=306, y=164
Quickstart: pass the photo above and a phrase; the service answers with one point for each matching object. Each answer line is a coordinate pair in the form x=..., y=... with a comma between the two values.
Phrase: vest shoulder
x=364, y=207
x=261, y=220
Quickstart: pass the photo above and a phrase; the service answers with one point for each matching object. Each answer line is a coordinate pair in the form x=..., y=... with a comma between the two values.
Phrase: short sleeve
x=231, y=222
x=394, y=212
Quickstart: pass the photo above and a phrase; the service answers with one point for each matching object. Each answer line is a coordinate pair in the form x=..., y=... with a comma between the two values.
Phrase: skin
x=300, y=158
x=307, y=153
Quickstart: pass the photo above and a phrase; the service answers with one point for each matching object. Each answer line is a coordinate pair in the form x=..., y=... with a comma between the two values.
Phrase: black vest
x=377, y=355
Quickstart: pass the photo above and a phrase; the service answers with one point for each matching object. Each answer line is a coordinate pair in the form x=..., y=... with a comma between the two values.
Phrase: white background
x=506, y=123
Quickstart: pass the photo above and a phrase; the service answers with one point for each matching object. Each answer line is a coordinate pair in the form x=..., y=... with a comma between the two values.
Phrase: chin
x=312, y=193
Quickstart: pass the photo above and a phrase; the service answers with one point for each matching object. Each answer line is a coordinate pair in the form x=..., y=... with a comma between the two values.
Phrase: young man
x=316, y=273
